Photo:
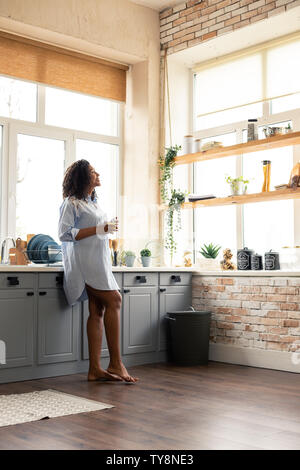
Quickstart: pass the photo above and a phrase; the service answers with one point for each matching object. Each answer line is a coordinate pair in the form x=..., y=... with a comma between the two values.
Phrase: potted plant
x=236, y=185
x=174, y=207
x=129, y=258
x=145, y=257
x=166, y=165
x=174, y=198
x=209, y=253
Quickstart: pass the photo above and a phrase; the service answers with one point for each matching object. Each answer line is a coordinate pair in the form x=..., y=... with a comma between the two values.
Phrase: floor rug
x=33, y=406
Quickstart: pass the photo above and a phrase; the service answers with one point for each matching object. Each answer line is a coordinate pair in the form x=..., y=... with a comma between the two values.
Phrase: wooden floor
x=219, y=406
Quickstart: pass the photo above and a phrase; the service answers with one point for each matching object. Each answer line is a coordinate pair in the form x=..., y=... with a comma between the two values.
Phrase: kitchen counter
x=57, y=268
x=195, y=270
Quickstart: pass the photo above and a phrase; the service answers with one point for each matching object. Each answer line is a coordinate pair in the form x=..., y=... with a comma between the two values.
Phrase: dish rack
x=54, y=257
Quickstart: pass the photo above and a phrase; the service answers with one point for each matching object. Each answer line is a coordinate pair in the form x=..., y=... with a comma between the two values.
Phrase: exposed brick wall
x=193, y=22
x=254, y=312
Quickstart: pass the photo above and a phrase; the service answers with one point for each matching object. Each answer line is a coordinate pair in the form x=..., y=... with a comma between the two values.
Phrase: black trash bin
x=188, y=337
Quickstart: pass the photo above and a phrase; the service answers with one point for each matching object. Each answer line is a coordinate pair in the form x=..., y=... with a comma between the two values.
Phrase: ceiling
x=158, y=5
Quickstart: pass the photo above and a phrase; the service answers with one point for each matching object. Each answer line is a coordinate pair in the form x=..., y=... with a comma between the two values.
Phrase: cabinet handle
x=176, y=278
x=126, y=290
x=162, y=289
x=13, y=280
x=30, y=293
x=141, y=279
x=42, y=293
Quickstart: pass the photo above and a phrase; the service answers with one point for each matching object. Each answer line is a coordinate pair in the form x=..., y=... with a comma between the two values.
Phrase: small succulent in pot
x=145, y=257
x=210, y=251
x=129, y=258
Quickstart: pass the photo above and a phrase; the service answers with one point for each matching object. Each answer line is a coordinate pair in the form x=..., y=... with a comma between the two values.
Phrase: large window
x=48, y=129
x=261, y=84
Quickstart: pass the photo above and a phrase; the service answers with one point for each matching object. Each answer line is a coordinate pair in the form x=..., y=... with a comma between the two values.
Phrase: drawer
x=17, y=280
x=175, y=279
x=118, y=278
x=140, y=279
x=51, y=280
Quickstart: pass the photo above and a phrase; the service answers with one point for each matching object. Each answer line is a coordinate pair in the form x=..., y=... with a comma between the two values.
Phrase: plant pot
x=129, y=261
x=146, y=260
x=236, y=188
x=208, y=264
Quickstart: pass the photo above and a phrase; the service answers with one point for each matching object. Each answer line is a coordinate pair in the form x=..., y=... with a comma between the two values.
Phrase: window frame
x=266, y=119
x=8, y=159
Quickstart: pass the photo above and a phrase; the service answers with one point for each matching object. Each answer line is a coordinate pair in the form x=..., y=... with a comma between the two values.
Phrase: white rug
x=33, y=406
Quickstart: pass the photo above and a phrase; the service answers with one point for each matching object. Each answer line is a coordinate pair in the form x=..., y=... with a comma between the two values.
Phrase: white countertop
x=195, y=270
x=56, y=268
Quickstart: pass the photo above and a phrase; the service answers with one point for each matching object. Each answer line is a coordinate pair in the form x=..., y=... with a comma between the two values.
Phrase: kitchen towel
x=33, y=406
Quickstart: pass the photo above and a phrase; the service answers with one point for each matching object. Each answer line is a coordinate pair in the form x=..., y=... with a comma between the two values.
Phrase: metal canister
x=272, y=261
x=256, y=262
x=244, y=259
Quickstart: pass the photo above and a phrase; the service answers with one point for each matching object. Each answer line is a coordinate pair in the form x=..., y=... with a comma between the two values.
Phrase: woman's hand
x=108, y=227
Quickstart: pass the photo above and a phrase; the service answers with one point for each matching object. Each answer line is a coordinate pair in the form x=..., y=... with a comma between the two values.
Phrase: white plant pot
x=208, y=264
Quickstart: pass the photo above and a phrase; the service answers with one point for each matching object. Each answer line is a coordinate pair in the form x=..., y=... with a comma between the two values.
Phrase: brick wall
x=251, y=312
x=193, y=22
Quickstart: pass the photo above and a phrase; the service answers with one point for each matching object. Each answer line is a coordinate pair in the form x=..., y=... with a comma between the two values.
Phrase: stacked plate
x=43, y=249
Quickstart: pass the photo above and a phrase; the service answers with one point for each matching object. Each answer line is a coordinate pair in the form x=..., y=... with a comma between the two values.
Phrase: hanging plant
x=173, y=223
x=166, y=164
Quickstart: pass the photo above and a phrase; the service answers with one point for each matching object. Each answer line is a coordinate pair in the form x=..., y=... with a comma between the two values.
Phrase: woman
x=83, y=230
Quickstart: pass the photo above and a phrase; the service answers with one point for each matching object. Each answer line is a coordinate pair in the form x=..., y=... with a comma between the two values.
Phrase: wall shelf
x=279, y=195
x=293, y=138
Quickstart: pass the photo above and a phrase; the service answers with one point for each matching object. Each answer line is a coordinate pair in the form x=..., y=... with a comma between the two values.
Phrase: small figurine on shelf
x=226, y=263
x=187, y=259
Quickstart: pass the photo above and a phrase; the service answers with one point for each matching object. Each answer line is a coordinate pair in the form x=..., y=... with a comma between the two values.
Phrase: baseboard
x=277, y=360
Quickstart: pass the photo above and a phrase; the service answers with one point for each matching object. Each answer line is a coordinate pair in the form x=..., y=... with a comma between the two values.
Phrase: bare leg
x=95, y=333
x=112, y=330
x=112, y=301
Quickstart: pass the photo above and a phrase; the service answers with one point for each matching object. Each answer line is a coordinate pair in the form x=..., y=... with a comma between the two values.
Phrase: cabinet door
x=171, y=299
x=140, y=314
x=85, y=344
x=58, y=325
x=16, y=327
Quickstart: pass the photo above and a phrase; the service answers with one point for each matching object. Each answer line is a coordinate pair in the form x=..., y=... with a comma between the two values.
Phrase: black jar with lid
x=256, y=262
x=244, y=259
x=272, y=261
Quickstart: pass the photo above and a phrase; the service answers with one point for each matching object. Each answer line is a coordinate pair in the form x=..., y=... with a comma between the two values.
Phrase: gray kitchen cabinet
x=57, y=325
x=17, y=326
x=171, y=298
x=140, y=316
x=85, y=315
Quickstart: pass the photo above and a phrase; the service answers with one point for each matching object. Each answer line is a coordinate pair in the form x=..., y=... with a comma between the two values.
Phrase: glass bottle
x=267, y=175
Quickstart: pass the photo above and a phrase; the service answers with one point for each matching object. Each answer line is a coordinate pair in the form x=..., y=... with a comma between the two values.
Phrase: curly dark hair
x=77, y=180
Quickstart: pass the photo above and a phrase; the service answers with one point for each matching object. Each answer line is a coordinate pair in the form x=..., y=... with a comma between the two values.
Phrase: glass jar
x=267, y=175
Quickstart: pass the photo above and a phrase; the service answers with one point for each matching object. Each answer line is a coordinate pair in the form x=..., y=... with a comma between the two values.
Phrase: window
x=210, y=222
x=104, y=158
x=82, y=112
x=260, y=85
x=18, y=99
x=43, y=144
x=40, y=170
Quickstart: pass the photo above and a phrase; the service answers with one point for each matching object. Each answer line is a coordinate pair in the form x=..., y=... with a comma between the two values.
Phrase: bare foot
x=103, y=375
x=121, y=371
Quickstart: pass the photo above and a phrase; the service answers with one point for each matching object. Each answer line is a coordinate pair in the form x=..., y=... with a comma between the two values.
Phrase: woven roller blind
x=50, y=65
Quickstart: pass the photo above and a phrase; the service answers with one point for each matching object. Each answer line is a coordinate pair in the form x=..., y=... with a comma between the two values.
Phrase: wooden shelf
x=281, y=194
x=276, y=141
